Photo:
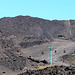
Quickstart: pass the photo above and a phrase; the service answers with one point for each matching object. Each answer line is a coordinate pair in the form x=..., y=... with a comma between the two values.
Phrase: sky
x=46, y=9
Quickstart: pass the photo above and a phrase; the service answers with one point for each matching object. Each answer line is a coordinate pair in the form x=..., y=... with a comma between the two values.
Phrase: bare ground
x=35, y=52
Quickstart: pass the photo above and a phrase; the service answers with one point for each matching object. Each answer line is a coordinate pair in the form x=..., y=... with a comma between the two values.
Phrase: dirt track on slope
x=59, y=45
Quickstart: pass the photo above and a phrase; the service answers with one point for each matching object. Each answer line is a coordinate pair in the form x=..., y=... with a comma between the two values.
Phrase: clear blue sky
x=47, y=9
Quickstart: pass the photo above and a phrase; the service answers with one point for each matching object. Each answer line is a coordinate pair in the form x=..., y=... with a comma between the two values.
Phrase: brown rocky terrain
x=56, y=70
x=26, y=25
x=24, y=36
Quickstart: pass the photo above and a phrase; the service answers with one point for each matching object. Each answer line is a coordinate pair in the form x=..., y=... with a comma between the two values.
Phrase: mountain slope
x=26, y=25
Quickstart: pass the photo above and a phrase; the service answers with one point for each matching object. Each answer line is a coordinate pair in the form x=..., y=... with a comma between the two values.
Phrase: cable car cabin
x=55, y=51
x=61, y=36
x=14, y=59
x=64, y=51
x=42, y=52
